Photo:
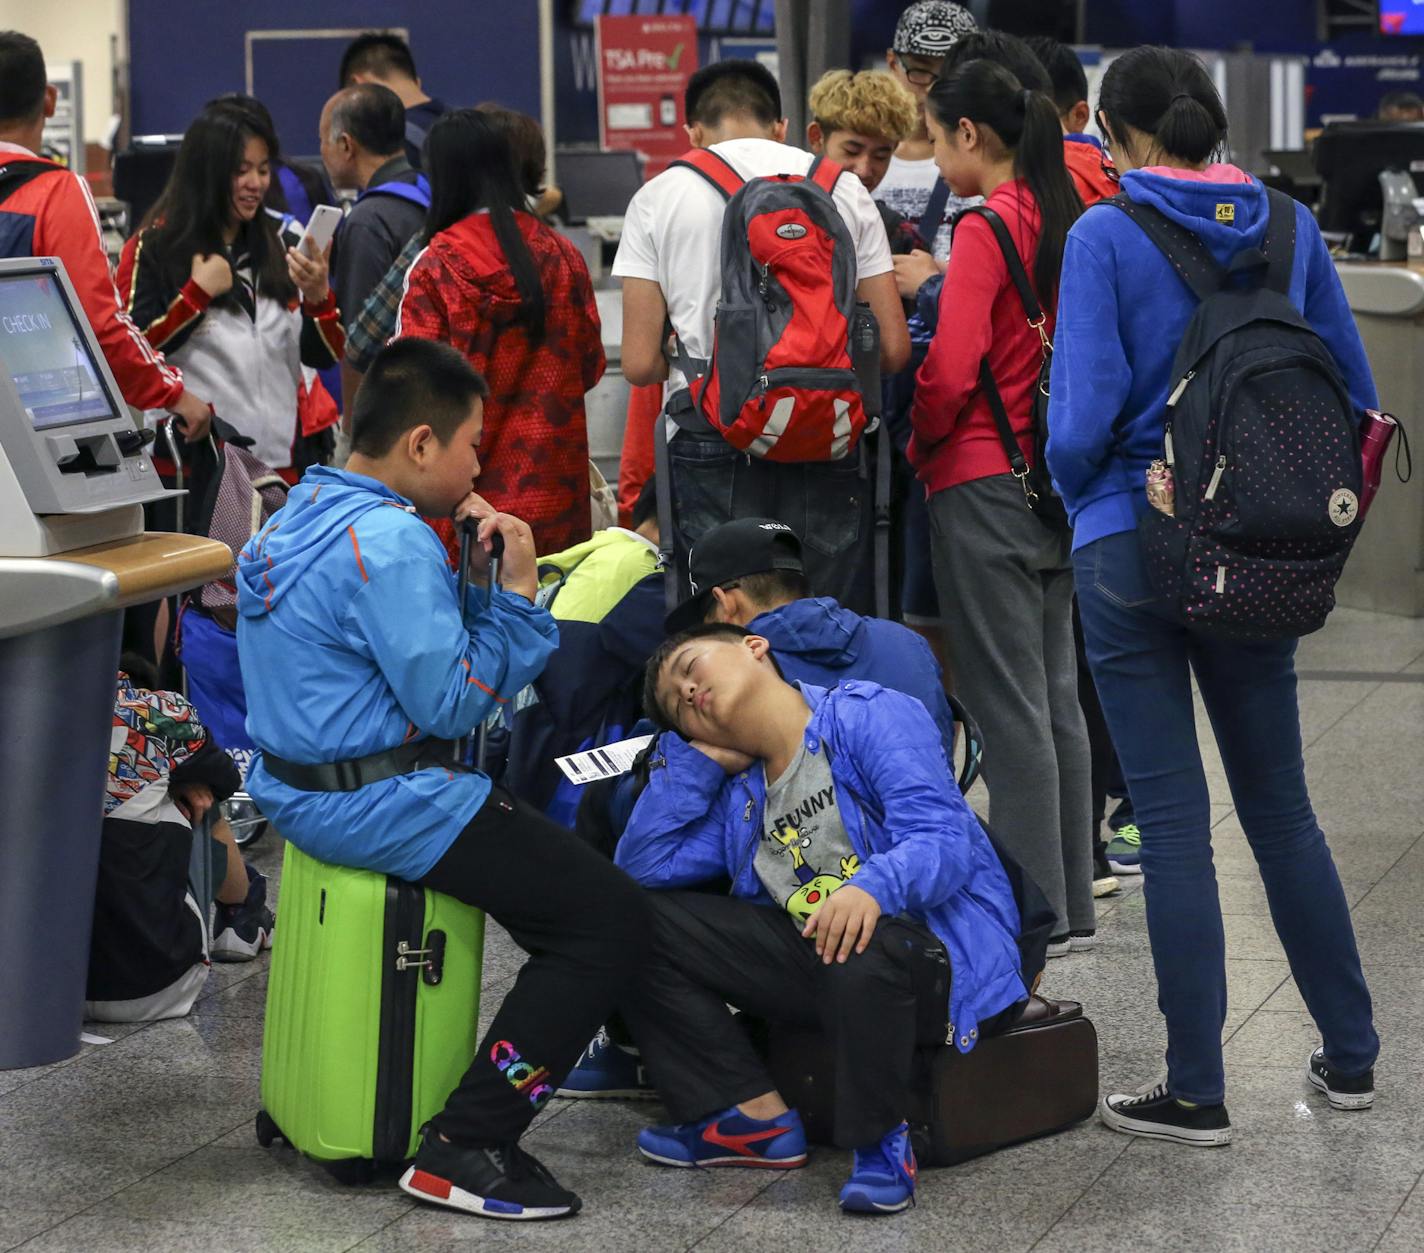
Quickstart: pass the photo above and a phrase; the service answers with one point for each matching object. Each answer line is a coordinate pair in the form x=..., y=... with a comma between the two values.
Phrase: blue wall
x=182, y=55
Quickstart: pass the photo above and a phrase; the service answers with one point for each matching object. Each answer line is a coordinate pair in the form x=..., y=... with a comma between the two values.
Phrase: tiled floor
x=146, y=1143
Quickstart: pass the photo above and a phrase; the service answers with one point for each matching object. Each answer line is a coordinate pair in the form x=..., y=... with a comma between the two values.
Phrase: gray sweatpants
x=1005, y=587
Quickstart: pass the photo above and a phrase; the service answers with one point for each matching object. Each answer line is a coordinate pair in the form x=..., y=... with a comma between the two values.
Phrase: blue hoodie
x=818, y=641
x=1122, y=311
x=352, y=642
x=922, y=851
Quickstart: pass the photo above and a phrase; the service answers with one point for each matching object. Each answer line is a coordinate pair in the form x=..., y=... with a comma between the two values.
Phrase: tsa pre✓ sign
x=643, y=67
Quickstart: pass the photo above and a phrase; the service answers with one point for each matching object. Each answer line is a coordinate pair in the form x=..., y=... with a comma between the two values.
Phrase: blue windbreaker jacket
x=923, y=852
x=819, y=641
x=1122, y=311
x=351, y=642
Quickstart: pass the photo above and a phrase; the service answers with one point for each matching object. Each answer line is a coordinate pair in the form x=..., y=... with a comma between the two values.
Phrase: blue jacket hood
x=820, y=642
x=1195, y=205
x=820, y=630
x=324, y=505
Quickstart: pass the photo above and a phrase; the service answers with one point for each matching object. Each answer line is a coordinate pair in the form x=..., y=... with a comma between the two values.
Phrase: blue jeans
x=1142, y=660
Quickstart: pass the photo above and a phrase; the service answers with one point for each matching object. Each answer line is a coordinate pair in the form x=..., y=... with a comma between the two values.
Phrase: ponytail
x=1027, y=123
x=471, y=165
x=1038, y=160
x=1168, y=96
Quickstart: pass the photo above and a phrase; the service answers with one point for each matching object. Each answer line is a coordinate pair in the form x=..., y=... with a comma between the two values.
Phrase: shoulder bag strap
x=1192, y=260
x=1018, y=465
x=933, y=215
x=1027, y=296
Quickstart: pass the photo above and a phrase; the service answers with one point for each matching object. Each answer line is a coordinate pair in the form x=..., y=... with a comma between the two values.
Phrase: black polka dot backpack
x=1256, y=499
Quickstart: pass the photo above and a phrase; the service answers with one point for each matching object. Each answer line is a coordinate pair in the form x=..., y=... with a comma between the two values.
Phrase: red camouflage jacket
x=534, y=453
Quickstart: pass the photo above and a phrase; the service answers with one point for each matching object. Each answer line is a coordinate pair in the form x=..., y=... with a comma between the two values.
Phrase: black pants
x=1100, y=745
x=827, y=503
x=585, y=926
x=711, y=950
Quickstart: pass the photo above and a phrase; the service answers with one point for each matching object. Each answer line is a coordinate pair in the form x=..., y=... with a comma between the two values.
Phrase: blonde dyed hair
x=871, y=102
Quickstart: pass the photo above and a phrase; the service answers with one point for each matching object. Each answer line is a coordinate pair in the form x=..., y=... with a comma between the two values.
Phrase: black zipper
x=812, y=377
x=395, y=1057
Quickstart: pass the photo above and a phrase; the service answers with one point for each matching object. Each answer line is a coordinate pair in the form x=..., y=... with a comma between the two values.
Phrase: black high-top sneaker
x=240, y=932
x=1355, y=1092
x=500, y=1182
x=1157, y=1115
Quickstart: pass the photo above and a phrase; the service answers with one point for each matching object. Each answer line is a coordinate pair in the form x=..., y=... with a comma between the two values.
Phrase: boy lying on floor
x=865, y=897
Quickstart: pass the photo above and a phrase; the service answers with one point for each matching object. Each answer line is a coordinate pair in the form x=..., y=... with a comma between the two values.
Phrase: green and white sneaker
x=1125, y=850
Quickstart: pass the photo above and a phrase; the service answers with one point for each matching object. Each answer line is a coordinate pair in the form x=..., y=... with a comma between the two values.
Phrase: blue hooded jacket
x=818, y=641
x=1122, y=311
x=351, y=642
x=923, y=853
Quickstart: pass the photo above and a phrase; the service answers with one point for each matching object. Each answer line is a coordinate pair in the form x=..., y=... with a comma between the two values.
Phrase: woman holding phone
x=214, y=287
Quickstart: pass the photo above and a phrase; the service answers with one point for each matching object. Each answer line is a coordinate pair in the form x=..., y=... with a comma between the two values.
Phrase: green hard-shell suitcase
x=372, y=1004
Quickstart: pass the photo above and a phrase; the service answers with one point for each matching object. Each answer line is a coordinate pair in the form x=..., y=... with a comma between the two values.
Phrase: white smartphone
x=325, y=219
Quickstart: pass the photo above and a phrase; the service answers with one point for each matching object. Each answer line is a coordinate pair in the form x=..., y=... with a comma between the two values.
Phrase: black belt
x=348, y=776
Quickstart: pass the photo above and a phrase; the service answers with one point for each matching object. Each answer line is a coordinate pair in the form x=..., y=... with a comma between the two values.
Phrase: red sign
x=643, y=67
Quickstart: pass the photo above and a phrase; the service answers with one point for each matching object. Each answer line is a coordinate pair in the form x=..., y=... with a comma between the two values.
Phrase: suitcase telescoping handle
x=467, y=539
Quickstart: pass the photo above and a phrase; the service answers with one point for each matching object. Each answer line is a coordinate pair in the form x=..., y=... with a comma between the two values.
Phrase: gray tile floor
x=146, y=1143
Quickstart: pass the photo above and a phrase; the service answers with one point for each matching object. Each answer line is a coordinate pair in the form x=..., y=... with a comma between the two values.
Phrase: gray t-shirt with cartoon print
x=804, y=853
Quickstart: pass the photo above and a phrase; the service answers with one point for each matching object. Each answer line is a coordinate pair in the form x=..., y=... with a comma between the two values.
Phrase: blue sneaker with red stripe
x=882, y=1180
x=728, y=1139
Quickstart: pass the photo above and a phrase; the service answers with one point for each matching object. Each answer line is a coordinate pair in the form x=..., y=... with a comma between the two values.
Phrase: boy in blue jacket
x=360, y=667
x=865, y=898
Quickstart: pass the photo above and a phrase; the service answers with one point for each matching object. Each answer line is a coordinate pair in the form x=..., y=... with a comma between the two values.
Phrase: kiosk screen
x=42, y=349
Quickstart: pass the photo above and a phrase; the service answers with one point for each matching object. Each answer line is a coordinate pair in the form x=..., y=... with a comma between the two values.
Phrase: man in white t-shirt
x=670, y=263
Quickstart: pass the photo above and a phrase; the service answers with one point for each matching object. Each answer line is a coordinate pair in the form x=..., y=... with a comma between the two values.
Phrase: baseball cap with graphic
x=930, y=28
x=731, y=551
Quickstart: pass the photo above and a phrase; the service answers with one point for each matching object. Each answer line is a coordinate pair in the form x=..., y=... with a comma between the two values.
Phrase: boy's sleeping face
x=708, y=689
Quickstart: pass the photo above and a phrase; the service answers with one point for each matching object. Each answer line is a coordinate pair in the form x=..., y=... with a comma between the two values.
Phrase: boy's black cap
x=733, y=551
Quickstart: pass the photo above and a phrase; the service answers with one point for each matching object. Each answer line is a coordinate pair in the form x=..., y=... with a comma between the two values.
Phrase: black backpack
x=1261, y=440
x=1039, y=493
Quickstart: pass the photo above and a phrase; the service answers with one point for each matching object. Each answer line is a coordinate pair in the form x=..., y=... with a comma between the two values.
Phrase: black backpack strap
x=1191, y=258
x=15, y=174
x=1029, y=298
x=933, y=214
x=1280, y=241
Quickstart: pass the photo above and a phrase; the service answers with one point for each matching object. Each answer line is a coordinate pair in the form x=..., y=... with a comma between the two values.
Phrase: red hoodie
x=1091, y=170
x=980, y=315
x=66, y=225
x=534, y=452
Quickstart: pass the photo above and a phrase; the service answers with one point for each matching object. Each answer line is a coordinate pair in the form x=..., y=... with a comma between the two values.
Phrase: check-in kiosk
x=74, y=476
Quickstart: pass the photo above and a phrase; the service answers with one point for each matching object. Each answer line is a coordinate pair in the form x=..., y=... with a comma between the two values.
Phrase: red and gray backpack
x=782, y=382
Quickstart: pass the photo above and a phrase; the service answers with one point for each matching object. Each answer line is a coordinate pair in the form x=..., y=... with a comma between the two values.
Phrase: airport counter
x=1386, y=570
x=61, y=619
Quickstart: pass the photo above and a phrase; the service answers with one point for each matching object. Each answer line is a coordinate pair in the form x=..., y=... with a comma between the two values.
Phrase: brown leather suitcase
x=1038, y=1076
